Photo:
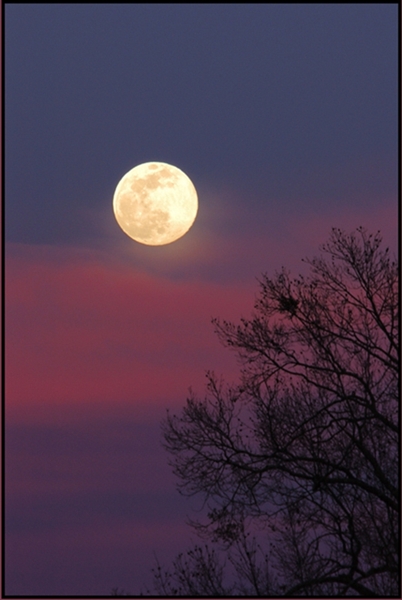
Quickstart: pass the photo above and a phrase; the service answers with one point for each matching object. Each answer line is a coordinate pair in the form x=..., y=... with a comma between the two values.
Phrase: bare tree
x=119, y=592
x=199, y=572
x=304, y=450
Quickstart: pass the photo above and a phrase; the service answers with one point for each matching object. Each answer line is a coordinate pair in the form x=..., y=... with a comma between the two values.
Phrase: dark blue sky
x=285, y=117
x=289, y=104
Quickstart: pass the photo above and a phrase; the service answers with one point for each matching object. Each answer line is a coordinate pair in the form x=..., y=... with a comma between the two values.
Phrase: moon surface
x=155, y=203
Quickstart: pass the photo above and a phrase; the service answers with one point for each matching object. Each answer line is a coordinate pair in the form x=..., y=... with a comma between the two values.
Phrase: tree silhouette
x=303, y=452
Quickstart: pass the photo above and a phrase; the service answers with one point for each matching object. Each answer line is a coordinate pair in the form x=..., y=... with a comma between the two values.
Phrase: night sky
x=284, y=116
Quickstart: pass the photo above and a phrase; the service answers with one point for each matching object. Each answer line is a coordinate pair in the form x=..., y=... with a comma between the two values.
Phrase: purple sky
x=285, y=119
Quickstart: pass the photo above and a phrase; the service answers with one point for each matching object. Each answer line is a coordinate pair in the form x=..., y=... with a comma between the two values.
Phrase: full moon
x=155, y=203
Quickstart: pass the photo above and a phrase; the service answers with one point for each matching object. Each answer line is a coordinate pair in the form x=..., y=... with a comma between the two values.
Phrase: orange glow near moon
x=155, y=203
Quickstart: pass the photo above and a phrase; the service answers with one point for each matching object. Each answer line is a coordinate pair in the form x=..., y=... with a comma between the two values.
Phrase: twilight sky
x=284, y=117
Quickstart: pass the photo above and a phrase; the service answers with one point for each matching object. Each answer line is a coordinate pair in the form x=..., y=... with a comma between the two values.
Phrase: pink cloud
x=279, y=239
x=316, y=228
x=85, y=328
x=80, y=330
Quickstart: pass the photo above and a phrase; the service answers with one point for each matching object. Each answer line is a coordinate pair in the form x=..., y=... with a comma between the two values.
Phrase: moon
x=155, y=203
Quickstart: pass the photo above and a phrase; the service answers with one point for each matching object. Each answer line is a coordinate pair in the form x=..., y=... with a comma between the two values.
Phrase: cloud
x=236, y=237
x=85, y=326
x=91, y=558
x=82, y=330
x=92, y=496
x=98, y=346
